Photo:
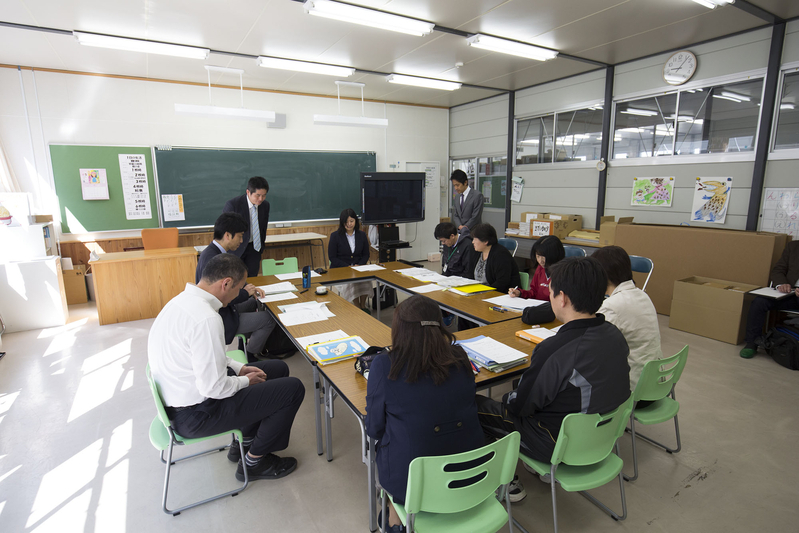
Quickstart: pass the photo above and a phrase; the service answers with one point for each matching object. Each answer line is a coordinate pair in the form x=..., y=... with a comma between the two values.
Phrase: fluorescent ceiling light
x=635, y=130
x=737, y=96
x=367, y=17
x=225, y=112
x=727, y=98
x=423, y=82
x=640, y=112
x=346, y=120
x=504, y=46
x=713, y=4
x=137, y=45
x=305, y=66
x=784, y=107
x=530, y=141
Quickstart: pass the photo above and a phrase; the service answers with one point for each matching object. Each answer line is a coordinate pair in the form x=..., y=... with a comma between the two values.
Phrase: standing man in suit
x=241, y=314
x=468, y=208
x=252, y=205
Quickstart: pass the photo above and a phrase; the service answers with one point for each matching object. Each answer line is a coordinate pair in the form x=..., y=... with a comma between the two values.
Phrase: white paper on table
x=430, y=287
x=301, y=317
x=414, y=271
x=284, y=286
x=509, y=302
x=770, y=292
x=278, y=297
x=368, y=268
x=294, y=275
x=541, y=333
x=320, y=337
x=431, y=278
x=320, y=307
x=496, y=351
x=456, y=281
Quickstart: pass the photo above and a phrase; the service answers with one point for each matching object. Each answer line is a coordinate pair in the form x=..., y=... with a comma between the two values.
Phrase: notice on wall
x=516, y=192
x=503, y=188
x=93, y=184
x=135, y=189
x=711, y=198
x=487, y=192
x=781, y=211
x=431, y=173
x=173, y=207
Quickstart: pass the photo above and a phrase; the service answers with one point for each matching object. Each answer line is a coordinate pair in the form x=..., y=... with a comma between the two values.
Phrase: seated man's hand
x=784, y=288
x=252, y=290
x=254, y=374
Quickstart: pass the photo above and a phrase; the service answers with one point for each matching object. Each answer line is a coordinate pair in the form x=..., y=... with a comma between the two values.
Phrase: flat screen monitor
x=390, y=197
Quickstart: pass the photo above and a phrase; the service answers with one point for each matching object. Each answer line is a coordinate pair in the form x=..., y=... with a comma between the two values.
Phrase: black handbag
x=364, y=361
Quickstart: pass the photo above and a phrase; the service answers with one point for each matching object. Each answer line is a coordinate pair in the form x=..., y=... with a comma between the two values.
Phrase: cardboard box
x=41, y=219
x=561, y=226
x=712, y=308
x=679, y=252
x=607, y=229
x=75, y=285
x=529, y=215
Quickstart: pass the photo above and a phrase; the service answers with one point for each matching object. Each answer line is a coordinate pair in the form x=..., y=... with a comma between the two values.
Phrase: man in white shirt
x=205, y=391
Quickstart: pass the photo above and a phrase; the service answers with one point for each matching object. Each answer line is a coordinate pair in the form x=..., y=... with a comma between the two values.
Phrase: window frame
x=773, y=152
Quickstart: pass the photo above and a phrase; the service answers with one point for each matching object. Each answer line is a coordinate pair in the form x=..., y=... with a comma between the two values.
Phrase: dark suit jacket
x=339, y=253
x=418, y=419
x=501, y=270
x=460, y=259
x=230, y=317
x=239, y=205
x=787, y=268
x=472, y=212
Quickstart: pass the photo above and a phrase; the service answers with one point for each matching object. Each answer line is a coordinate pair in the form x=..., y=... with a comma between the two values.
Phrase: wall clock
x=679, y=67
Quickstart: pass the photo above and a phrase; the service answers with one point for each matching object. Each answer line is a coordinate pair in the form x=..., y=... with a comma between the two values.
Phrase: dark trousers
x=760, y=307
x=265, y=411
x=252, y=259
x=497, y=422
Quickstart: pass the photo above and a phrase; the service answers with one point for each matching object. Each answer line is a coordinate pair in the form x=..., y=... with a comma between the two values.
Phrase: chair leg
x=383, y=511
x=554, y=496
x=504, y=491
x=604, y=507
x=635, y=452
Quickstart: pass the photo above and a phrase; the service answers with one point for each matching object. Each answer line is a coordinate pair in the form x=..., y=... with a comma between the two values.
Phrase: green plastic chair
x=525, y=277
x=432, y=505
x=656, y=384
x=583, y=458
x=238, y=355
x=164, y=438
x=288, y=265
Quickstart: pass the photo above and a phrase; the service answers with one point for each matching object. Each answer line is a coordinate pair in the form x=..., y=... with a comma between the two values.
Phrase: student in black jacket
x=458, y=256
x=582, y=369
x=349, y=246
x=240, y=315
x=495, y=265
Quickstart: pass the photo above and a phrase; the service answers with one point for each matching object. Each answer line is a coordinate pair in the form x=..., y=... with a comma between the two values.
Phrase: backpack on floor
x=279, y=344
x=388, y=298
x=782, y=344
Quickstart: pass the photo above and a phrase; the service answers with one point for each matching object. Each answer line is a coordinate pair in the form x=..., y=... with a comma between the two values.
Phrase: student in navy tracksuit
x=421, y=396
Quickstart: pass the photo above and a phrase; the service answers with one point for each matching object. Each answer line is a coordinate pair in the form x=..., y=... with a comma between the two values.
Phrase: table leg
x=371, y=482
x=377, y=293
x=318, y=400
x=329, y=398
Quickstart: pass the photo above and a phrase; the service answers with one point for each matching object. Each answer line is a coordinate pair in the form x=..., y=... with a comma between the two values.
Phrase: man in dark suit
x=468, y=208
x=240, y=315
x=254, y=208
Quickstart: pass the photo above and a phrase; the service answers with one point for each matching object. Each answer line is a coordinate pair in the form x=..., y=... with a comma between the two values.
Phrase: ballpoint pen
x=496, y=308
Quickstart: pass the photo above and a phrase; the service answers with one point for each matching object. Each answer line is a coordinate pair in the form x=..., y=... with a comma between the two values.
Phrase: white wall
x=479, y=129
x=77, y=109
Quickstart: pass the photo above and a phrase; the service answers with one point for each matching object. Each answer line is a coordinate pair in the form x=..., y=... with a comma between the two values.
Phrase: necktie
x=256, y=230
x=461, y=201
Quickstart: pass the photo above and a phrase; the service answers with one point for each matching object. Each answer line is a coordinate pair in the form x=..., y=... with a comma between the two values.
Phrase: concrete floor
x=75, y=410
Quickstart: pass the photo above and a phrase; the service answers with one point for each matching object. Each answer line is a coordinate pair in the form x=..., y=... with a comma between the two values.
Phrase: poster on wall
x=781, y=211
x=516, y=191
x=173, y=207
x=653, y=191
x=711, y=198
x=487, y=192
x=93, y=183
x=135, y=189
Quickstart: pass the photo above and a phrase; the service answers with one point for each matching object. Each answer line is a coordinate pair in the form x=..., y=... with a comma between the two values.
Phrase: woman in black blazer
x=349, y=246
x=495, y=265
x=420, y=397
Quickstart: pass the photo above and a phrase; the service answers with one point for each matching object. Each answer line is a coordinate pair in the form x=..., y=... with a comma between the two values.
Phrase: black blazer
x=239, y=205
x=501, y=270
x=460, y=259
x=339, y=253
x=230, y=317
x=418, y=419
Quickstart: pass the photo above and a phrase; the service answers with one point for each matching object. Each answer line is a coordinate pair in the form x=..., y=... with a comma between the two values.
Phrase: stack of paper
x=337, y=349
x=455, y=281
x=368, y=268
x=415, y=271
x=304, y=313
x=320, y=337
x=278, y=297
x=294, y=275
x=514, y=304
x=770, y=292
x=491, y=354
x=431, y=287
x=284, y=286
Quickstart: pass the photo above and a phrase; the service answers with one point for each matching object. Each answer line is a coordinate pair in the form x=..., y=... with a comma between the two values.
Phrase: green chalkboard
x=79, y=215
x=302, y=185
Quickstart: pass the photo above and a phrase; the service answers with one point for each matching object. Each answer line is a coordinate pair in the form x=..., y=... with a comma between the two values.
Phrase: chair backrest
x=525, y=277
x=156, y=238
x=288, y=265
x=659, y=376
x=159, y=403
x=510, y=244
x=429, y=481
x=587, y=439
x=574, y=251
x=642, y=264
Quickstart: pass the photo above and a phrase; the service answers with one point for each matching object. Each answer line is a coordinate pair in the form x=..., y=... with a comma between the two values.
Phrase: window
x=710, y=120
x=534, y=140
x=579, y=135
x=788, y=115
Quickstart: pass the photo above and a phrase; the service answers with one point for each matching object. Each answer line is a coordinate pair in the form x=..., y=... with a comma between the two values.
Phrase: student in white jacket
x=629, y=309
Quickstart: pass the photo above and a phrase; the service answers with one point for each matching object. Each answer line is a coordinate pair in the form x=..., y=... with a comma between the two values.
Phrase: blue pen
x=499, y=309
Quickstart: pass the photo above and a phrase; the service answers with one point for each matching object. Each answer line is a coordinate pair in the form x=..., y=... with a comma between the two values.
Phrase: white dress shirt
x=631, y=310
x=250, y=205
x=186, y=351
x=466, y=193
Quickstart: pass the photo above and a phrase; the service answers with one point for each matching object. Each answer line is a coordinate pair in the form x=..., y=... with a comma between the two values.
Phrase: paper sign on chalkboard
x=781, y=211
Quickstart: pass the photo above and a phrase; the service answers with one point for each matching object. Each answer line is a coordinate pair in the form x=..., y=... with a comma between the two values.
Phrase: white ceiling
x=607, y=31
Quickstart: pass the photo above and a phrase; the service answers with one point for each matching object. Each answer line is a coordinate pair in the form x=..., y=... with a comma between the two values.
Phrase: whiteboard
x=781, y=211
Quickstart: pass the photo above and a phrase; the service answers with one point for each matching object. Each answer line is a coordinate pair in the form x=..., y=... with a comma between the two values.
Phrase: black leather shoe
x=270, y=467
x=234, y=453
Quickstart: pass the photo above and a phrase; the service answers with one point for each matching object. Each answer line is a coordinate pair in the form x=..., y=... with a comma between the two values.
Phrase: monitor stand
x=389, y=242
